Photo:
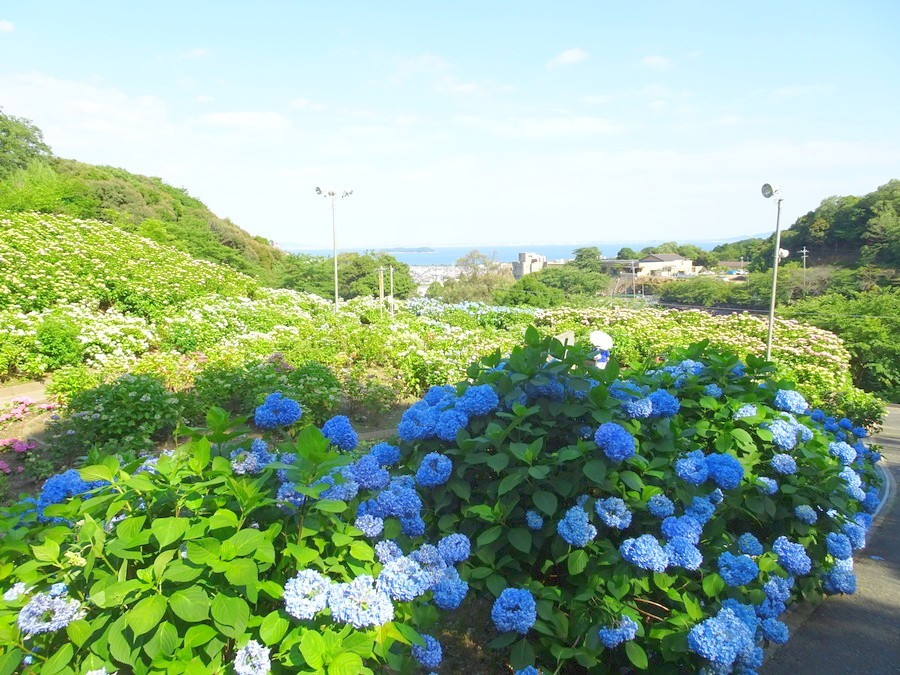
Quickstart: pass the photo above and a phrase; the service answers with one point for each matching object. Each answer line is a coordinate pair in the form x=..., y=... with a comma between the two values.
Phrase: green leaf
x=10, y=661
x=246, y=541
x=632, y=480
x=595, y=470
x=743, y=437
x=312, y=646
x=522, y=654
x=242, y=572
x=59, y=660
x=498, y=462
x=489, y=535
x=164, y=641
x=200, y=451
x=146, y=614
x=545, y=501
x=636, y=655
x=495, y=584
x=539, y=472
x=577, y=561
x=509, y=482
x=223, y=518
x=169, y=530
x=346, y=663
x=362, y=551
x=199, y=635
x=520, y=538
x=46, y=552
x=330, y=505
x=273, y=628
x=79, y=631
x=119, y=646
x=230, y=614
x=713, y=584
x=95, y=472
x=190, y=604
x=692, y=606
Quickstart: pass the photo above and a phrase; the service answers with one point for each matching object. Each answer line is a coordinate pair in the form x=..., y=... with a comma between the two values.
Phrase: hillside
x=140, y=204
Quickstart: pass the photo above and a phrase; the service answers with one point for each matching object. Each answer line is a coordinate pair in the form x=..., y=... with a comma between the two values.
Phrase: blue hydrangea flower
x=830, y=425
x=682, y=552
x=575, y=528
x=739, y=370
x=252, y=659
x=839, y=545
x=749, y=544
x=682, y=526
x=399, y=500
x=387, y=550
x=369, y=525
x=775, y=631
x=448, y=423
x=713, y=390
x=791, y=401
x=613, y=512
x=872, y=500
x=854, y=483
x=615, y=441
x=746, y=613
x=431, y=561
x=701, y=508
x=845, y=423
x=46, y=614
x=340, y=432
x=450, y=591
x=287, y=494
x=860, y=432
x=344, y=490
x=454, y=548
x=737, y=570
x=528, y=670
x=306, y=594
x=784, y=434
x=640, y=408
x=625, y=631
x=412, y=526
x=844, y=452
x=817, y=415
x=60, y=488
x=360, y=603
x=721, y=639
x=664, y=404
x=784, y=464
x=403, y=579
x=368, y=472
x=746, y=410
x=479, y=399
x=767, y=486
x=434, y=470
x=440, y=396
x=277, y=411
x=840, y=580
x=514, y=611
x=417, y=423
x=770, y=608
x=778, y=588
x=806, y=514
x=429, y=654
x=660, y=506
x=725, y=470
x=534, y=520
x=692, y=467
x=626, y=390
x=792, y=557
x=645, y=552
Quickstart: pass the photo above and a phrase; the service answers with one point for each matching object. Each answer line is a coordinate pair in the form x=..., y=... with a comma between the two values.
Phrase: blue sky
x=470, y=123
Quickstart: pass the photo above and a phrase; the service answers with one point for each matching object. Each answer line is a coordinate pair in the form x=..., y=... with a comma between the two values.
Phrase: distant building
x=654, y=265
x=528, y=263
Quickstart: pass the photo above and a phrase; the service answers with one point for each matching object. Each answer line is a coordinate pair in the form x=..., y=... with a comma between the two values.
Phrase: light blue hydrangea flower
x=429, y=654
x=613, y=512
x=660, y=506
x=306, y=594
x=252, y=659
x=645, y=552
x=514, y=611
x=575, y=528
x=46, y=614
x=360, y=604
x=625, y=631
x=792, y=557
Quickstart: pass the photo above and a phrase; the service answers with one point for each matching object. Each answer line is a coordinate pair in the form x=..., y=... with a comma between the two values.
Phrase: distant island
x=401, y=249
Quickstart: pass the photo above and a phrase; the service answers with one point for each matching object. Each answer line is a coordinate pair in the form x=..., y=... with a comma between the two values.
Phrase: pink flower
x=4, y=467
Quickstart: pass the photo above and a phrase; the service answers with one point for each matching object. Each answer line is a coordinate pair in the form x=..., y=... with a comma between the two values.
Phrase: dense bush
x=659, y=518
x=232, y=554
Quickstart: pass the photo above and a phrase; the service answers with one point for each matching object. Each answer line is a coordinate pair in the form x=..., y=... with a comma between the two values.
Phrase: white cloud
x=548, y=127
x=424, y=63
x=6, y=26
x=802, y=90
x=568, y=57
x=203, y=98
x=246, y=120
x=196, y=53
x=656, y=62
x=306, y=104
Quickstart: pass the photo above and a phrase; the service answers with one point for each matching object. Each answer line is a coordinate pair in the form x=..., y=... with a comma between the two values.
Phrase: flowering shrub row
x=660, y=518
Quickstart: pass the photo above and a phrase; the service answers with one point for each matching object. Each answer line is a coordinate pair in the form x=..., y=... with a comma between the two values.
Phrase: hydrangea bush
x=283, y=548
x=659, y=518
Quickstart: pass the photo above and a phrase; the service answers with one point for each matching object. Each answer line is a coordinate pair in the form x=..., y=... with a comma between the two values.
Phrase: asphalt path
x=859, y=633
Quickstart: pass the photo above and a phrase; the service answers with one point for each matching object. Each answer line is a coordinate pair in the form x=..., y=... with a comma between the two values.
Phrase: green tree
x=357, y=275
x=530, y=291
x=588, y=258
x=21, y=142
x=480, y=279
x=573, y=280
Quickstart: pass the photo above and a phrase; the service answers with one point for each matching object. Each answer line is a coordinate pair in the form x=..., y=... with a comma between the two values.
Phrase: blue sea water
x=448, y=255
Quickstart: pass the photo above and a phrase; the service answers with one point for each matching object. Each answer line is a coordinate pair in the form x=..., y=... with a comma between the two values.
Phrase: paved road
x=860, y=633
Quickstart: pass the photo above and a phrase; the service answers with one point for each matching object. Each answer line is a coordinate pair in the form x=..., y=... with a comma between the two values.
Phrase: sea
x=448, y=255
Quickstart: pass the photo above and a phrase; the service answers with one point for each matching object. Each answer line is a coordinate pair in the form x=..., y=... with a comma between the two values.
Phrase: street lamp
x=767, y=192
x=333, y=195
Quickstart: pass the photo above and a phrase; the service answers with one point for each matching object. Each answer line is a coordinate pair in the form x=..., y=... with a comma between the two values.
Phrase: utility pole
x=331, y=194
x=805, y=253
x=380, y=291
x=633, y=273
x=767, y=192
x=392, y=290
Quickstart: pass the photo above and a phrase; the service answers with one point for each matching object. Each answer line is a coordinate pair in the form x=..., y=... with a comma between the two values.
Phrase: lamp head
x=767, y=190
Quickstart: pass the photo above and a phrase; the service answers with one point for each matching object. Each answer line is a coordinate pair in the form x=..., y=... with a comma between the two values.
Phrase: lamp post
x=333, y=195
x=767, y=192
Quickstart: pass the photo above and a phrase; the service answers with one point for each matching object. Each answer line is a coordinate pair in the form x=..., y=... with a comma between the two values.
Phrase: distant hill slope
x=143, y=205
x=49, y=259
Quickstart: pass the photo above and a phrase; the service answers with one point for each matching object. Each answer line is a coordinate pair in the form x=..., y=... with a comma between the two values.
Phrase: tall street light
x=767, y=192
x=333, y=196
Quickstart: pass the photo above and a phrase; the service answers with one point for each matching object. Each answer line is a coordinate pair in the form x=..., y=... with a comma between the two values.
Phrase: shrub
x=227, y=552
x=58, y=342
x=628, y=503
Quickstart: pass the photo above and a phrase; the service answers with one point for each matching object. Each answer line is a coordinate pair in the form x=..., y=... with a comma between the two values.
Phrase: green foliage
x=481, y=280
x=57, y=340
x=180, y=562
x=531, y=291
x=357, y=275
x=21, y=142
x=536, y=452
x=126, y=417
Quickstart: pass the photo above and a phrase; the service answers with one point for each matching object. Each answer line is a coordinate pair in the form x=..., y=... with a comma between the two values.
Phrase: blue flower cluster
x=645, y=552
x=725, y=470
x=575, y=528
x=737, y=570
x=251, y=461
x=613, y=512
x=252, y=659
x=514, y=611
x=839, y=580
x=640, y=408
x=692, y=467
x=749, y=544
x=806, y=514
x=664, y=404
x=360, y=603
x=792, y=557
x=615, y=441
x=660, y=506
x=682, y=552
x=45, y=613
x=839, y=545
x=784, y=464
x=430, y=654
x=844, y=452
x=791, y=401
x=340, y=432
x=60, y=488
x=277, y=411
x=713, y=390
x=746, y=410
x=434, y=470
x=682, y=526
x=306, y=594
x=534, y=520
x=625, y=631
x=724, y=639
x=784, y=434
